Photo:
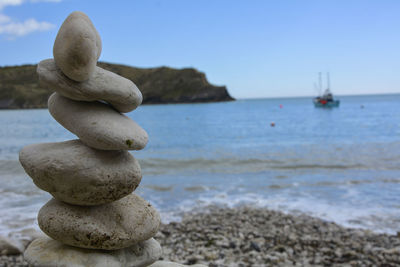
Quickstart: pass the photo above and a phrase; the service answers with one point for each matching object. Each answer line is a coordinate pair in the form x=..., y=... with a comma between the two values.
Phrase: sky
x=256, y=48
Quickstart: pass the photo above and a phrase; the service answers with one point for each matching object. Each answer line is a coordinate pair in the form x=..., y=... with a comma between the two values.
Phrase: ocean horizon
x=312, y=96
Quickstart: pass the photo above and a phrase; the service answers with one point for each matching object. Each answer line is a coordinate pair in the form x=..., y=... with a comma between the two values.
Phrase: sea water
x=340, y=164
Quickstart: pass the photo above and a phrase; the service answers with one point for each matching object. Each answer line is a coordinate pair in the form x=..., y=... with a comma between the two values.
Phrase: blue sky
x=255, y=48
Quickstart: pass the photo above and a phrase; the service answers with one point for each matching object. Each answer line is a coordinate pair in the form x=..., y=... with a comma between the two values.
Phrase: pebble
x=7, y=247
x=48, y=252
x=77, y=47
x=25, y=236
x=248, y=236
x=77, y=174
x=116, y=90
x=173, y=264
x=97, y=124
x=110, y=226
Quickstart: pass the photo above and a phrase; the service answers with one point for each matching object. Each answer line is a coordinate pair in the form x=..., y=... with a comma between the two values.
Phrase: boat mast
x=320, y=82
x=328, y=80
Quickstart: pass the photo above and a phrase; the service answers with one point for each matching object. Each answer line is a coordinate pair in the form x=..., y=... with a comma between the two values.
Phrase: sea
x=340, y=164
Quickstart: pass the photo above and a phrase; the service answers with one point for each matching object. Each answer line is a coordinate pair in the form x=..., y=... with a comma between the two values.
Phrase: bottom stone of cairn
x=46, y=252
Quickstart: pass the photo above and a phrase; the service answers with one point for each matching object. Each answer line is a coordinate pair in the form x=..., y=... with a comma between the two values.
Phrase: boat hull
x=328, y=104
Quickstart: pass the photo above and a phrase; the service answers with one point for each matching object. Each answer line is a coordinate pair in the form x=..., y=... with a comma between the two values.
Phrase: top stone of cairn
x=77, y=47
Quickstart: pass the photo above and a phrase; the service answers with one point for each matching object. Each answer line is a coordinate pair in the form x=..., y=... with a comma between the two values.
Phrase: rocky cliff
x=19, y=87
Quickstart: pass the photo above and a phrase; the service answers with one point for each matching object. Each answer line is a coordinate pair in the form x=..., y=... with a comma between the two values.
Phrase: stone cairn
x=94, y=218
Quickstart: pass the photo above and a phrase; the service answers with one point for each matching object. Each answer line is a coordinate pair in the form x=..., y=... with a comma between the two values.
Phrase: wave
x=10, y=167
x=232, y=165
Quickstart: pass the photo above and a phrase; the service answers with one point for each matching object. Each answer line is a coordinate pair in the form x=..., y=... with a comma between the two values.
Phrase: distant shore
x=246, y=236
x=20, y=88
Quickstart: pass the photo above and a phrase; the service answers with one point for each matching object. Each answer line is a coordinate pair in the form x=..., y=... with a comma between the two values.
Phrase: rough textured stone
x=48, y=252
x=77, y=174
x=77, y=47
x=119, y=92
x=173, y=264
x=111, y=226
x=97, y=124
x=7, y=247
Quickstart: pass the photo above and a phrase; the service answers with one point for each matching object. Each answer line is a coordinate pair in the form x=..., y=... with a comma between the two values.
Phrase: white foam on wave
x=377, y=219
x=19, y=223
x=20, y=202
x=374, y=218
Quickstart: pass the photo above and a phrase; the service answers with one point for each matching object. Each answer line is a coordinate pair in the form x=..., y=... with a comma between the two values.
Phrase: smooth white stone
x=77, y=47
x=77, y=174
x=97, y=124
x=110, y=226
x=116, y=90
x=48, y=252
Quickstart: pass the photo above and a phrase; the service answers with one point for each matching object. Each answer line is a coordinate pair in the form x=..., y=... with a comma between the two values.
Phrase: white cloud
x=4, y=3
x=13, y=28
x=52, y=1
x=17, y=29
x=4, y=19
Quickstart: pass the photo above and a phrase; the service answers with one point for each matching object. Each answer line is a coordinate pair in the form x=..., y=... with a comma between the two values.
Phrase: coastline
x=248, y=236
x=21, y=89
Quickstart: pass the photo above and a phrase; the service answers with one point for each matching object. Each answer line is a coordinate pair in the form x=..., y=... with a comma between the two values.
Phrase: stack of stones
x=94, y=218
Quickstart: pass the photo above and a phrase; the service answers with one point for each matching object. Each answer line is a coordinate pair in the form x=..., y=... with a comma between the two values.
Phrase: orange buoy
x=272, y=124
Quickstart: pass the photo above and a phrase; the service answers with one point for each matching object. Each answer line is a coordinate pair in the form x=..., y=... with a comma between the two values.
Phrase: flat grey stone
x=46, y=252
x=110, y=226
x=97, y=124
x=104, y=85
x=77, y=47
x=77, y=174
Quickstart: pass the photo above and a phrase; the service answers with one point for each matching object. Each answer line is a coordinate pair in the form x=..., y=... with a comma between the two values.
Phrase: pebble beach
x=247, y=236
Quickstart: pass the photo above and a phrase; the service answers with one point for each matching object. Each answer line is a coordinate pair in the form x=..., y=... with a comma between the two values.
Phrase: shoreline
x=248, y=236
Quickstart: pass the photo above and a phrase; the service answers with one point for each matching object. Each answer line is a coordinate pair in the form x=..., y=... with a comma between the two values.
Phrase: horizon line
x=312, y=96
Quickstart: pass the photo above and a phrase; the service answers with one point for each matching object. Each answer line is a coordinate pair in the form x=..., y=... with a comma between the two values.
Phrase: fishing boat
x=326, y=99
